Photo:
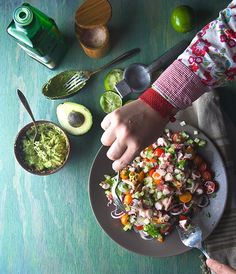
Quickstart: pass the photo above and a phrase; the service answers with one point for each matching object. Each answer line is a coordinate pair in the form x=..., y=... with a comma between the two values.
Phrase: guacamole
x=50, y=149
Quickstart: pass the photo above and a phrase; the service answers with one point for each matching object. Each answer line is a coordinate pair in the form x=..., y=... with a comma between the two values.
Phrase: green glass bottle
x=38, y=35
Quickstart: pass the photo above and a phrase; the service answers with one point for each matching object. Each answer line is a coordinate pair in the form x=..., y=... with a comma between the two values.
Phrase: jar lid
x=93, y=13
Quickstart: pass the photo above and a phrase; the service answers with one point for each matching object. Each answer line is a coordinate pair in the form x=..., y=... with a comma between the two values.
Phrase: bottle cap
x=23, y=16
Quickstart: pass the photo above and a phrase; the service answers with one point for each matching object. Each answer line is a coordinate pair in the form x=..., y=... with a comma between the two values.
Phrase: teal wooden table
x=46, y=223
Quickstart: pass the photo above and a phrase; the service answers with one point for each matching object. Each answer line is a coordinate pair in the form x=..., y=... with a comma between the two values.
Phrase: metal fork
x=115, y=197
x=192, y=238
x=81, y=77
x=78, y=79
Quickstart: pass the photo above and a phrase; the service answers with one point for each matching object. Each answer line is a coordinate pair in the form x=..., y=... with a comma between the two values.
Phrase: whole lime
x=182, y=19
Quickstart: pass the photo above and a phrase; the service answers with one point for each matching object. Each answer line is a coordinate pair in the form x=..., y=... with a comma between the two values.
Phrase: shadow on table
x=202, y=17
x=228, y=101
x=85, y=146
x=122, y=23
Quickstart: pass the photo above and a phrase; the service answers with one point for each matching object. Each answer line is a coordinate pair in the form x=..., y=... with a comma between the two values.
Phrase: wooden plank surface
x=46, y=223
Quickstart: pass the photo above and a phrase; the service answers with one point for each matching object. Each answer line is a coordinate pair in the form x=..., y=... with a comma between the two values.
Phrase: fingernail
x=114, y=166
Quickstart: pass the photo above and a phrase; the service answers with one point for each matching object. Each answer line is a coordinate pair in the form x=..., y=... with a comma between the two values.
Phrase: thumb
x=219, y=268
x=106, y=122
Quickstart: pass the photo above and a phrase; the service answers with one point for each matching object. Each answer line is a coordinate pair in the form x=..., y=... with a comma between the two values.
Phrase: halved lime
x=110, y=101
x=112, y=78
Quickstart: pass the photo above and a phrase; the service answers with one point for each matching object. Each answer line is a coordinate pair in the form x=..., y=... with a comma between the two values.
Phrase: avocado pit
x=76, y=119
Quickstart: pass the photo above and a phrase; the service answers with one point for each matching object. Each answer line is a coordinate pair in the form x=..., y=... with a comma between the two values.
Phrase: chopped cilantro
x=152, y=230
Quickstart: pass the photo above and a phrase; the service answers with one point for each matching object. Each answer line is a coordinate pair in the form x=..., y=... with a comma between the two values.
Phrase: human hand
x=219, y=268
x=129, y=129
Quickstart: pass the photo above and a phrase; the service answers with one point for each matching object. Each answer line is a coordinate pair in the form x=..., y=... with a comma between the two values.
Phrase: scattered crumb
x=183, y=123
x=195, y=132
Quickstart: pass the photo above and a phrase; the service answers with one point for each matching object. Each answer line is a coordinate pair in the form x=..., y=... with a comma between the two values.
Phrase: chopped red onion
x=176, y=210
x=144, y=235
x=116, y=215
x=203, y=201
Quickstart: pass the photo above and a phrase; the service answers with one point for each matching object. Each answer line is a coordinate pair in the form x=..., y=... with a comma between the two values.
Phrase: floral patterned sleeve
x=209, y=61
x=212, y=53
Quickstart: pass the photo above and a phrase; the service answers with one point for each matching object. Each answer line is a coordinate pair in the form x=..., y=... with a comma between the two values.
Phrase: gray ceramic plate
x=172, y=245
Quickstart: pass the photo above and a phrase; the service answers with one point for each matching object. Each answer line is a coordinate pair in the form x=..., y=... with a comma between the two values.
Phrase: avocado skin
x=74, y=118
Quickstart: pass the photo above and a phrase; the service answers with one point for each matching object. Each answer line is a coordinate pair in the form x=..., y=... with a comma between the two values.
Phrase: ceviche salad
x=163, y=187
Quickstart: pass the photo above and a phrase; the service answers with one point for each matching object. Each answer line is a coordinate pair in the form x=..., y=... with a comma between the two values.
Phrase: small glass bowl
x=19, y=154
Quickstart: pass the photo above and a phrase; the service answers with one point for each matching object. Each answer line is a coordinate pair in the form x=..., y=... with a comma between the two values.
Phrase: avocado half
x=74, y=118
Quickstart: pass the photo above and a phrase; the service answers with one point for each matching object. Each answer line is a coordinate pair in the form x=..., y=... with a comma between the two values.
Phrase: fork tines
x=75, y=81
x=115, y=197
x=71, y=80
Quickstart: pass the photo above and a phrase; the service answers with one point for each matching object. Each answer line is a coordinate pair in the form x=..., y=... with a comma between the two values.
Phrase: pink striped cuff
x=179, y=85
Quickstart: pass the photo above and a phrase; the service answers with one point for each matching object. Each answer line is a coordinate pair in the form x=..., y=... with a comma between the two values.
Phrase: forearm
x=209, y=61
x=212, y=53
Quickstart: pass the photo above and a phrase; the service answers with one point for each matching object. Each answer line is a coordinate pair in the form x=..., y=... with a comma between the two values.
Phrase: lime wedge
x=112, y=78
x=110, y=101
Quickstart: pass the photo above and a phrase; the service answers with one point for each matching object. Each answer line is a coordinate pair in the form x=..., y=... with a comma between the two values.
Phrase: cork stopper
x=93, y=13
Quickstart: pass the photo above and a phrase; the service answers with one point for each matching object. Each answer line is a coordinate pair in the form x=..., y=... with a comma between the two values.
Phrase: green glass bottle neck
x=23, y=16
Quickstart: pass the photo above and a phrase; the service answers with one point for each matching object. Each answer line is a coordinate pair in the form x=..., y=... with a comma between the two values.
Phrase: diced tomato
x=139, y=227
x=210, y=187
x=207, y=175
x=151, y=172
x=203, y=166
x=159, y=152
x=182, y=217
